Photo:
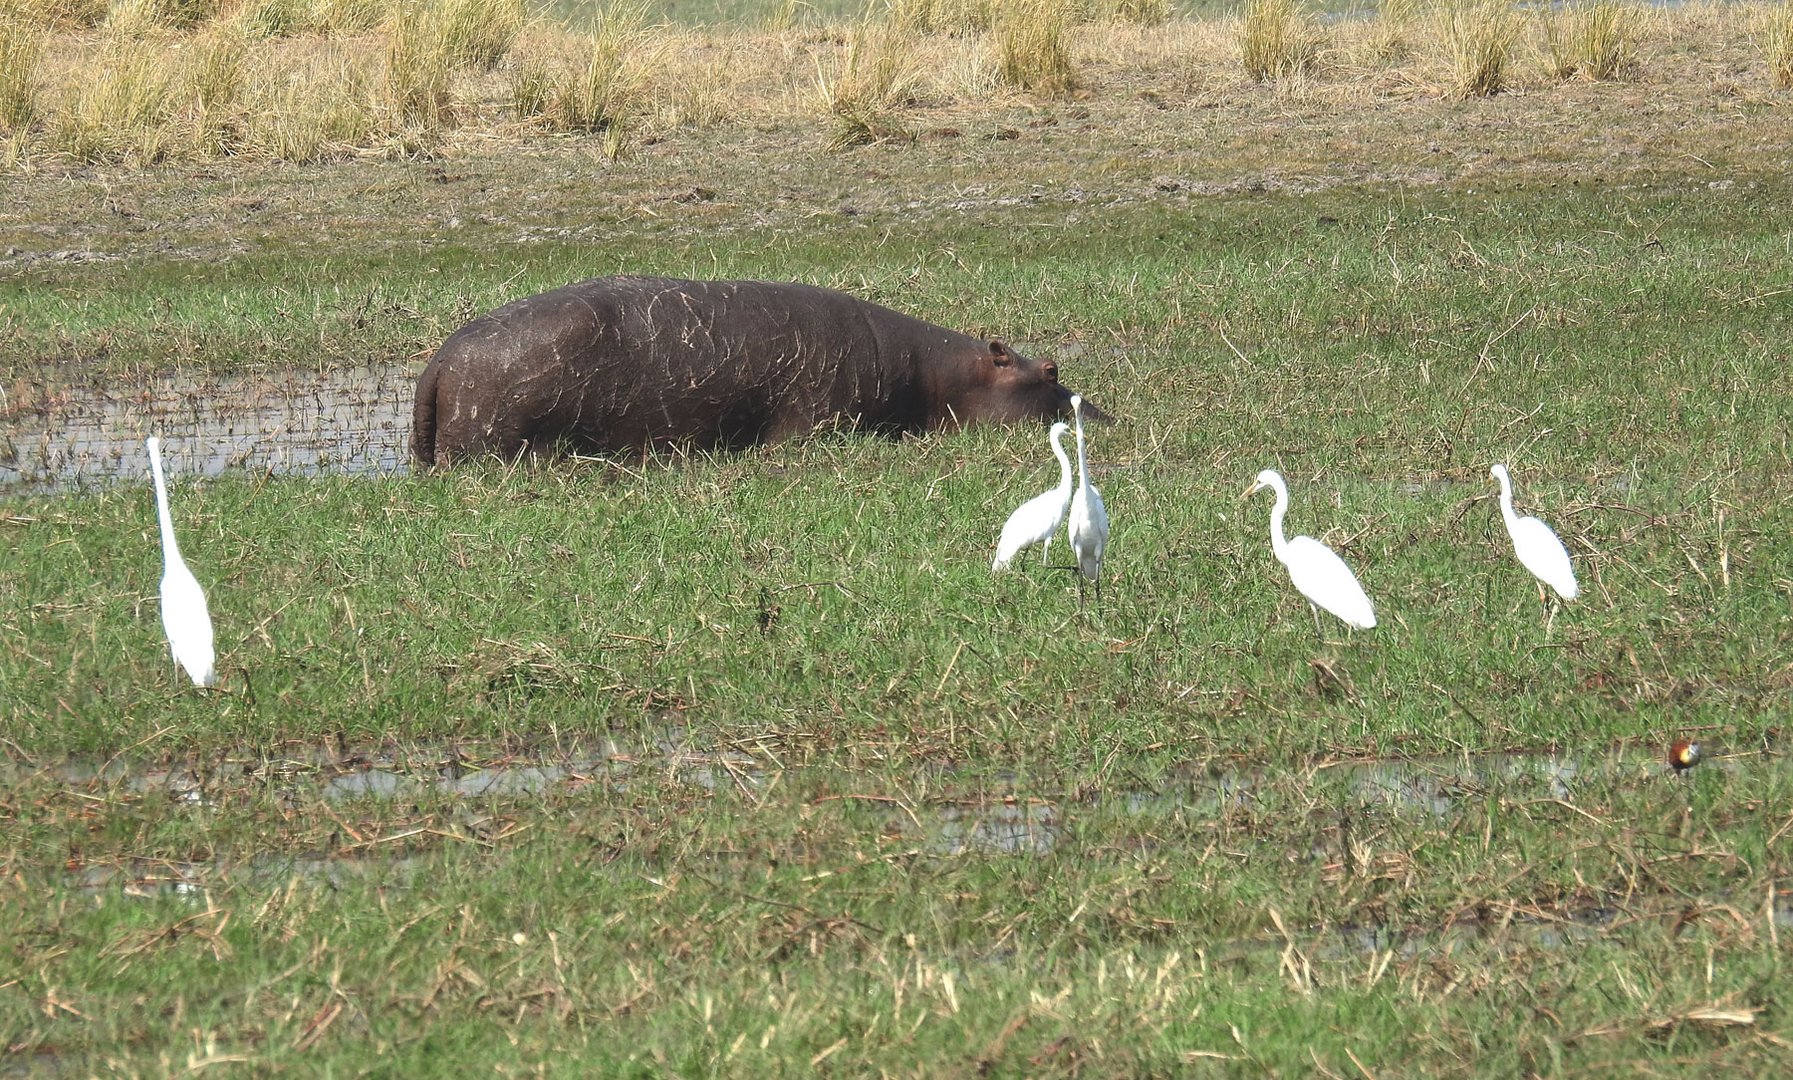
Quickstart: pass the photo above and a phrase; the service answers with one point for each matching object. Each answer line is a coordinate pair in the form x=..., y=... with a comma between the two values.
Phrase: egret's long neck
x=170, y=550
x=1082, y=461
x=1064, y=463
x=1278, y=543
x=1506, y=500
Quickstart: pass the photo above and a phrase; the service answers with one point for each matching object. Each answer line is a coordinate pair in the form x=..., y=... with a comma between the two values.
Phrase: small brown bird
x=1683, y=755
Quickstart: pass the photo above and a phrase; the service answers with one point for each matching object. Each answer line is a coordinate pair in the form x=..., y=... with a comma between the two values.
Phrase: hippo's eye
x=1051, y=372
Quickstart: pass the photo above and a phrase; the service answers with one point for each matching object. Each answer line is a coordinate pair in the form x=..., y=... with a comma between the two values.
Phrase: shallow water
x=354, y=420
x=1007, y=820
x=1003, y=821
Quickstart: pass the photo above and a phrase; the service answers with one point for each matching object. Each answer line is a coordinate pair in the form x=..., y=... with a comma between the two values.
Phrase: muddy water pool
x=350, y=420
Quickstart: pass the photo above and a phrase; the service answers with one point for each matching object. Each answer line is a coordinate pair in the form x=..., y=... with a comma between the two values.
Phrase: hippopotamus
x=637, y=363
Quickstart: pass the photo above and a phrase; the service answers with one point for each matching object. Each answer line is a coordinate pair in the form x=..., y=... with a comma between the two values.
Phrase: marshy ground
x=746, y=764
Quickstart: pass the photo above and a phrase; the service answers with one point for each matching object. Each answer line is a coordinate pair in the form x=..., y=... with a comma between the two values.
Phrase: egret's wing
x=1542, y=552
x=1033, y=521
x=1325, y=579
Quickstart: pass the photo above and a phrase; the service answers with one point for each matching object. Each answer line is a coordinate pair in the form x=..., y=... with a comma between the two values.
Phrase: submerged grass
x=646, y=922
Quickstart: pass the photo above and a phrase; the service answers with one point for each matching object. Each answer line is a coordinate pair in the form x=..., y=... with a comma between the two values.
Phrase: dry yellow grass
x=227, y=90
x=140, y=17
x=479, y=33
x=1032, y=49
x=603, y=92
x=418, y=66
x=56, y=14
x=1479, y=36
x=350, y=16
x=261, y=19
x=21, y=45
x=121, y=112
x=875, y=80
x=943, y=16
x=1277, y=41
x=1394, y=29
x=318, y=105
x=1779, y=47
x=1596, y=40
x=1142, y=12
x=213, y=76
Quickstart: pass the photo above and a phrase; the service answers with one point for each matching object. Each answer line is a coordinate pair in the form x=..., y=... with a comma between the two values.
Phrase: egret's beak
x=1252, y=490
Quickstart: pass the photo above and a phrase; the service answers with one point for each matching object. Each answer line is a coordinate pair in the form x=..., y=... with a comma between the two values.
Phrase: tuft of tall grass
x=58, y=14
x=214, y=82
x=962, y=17
x=21, y=47
x=1138, y=12
x=480, y=33
x=699, y=97
x=1595, y=39
x=133, y=18
x=1277, y=40
x=139, y=17
x=1391, y=36
x=1032, y=48
x=1479, y=36
x=876, y=78
x=944, y=16
x=418, y=66
x=123, y=111
x=352, y=16
x=1779, y=46
x=312, y=112
x=605, y=95
x=531, y=88
x=260, y=20
x=784, y=15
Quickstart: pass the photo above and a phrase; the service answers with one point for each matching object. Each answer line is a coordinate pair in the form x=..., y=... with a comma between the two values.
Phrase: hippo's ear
x=1000, y=354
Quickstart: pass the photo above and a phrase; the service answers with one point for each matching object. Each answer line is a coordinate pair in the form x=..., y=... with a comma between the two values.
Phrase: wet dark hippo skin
x=634, y=363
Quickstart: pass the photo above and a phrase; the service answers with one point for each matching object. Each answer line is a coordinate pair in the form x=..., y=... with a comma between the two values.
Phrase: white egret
x=1088, y=528
x=184, y=615
x=1315, y=568
x=1037, y=519
x=1536, y=545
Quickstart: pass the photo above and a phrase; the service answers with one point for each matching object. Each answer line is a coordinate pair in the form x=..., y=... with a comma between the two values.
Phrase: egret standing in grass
x=1089, y=518
x=1537, y=546
x=184, y=615
x=1315, y=568
x=1035, y=520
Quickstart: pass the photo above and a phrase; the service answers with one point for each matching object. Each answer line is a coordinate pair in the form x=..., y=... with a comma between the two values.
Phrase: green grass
x=823, y=611
x=647, y=924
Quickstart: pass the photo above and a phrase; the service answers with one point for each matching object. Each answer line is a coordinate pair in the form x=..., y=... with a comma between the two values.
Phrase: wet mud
x=351, y=420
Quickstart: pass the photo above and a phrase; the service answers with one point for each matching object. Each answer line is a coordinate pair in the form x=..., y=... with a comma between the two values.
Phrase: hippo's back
x=627, y=362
